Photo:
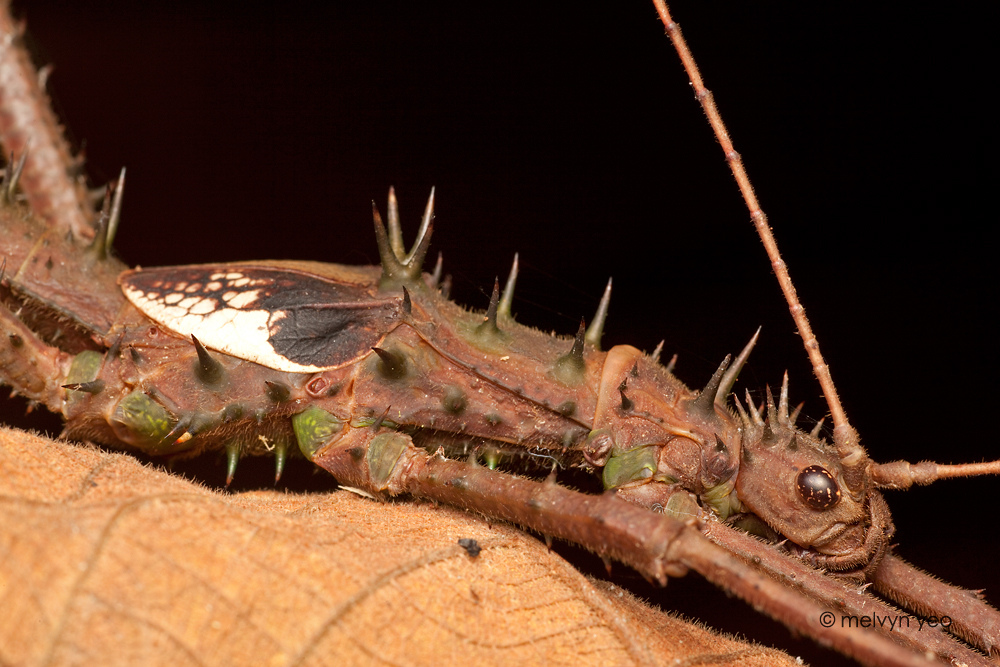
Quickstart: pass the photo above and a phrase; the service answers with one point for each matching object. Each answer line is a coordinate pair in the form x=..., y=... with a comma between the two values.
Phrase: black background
x=571, y=136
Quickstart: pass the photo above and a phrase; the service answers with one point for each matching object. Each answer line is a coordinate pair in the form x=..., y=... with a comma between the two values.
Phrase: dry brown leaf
x=105, y=561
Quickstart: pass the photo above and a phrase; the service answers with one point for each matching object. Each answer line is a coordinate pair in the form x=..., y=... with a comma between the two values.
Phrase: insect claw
x=607, y=564
x=548, y=541
x=507, y=300
x=232, y=458
x=658, y=350
x=596, y=329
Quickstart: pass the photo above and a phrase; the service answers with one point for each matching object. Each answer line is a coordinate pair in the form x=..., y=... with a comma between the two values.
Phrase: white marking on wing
x=243, y=299
x=204, y=307
x=240, y=333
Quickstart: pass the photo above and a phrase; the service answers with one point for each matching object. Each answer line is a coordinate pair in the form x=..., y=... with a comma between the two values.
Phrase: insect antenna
x=858, y=469
x=845, y=437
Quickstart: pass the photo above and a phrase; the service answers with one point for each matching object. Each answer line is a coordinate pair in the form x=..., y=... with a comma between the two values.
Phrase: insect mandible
x=637, y=236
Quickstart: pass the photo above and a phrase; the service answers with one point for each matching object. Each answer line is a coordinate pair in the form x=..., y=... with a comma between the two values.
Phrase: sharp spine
x=280, y=456
x=743, y=413
x=208, y=370
x=754, y=412
x=395, y=230
x=116, y=211
x=672, y=364
x=407, y=303
x=92, y=387
x=768, y=436
x=435, y=280
x=570, y=368
x=232, y=458
x=420, y=247
x=397, y=269
x=100, y=243
x=705, y=402
x=12, y=174
x=729, y=379
x=772, y=413
x=596, y=329
x=794, y=417
x=507, y=300
x=783, y=401
x=392, y=365
x=489, y=325
x=278, y=392
x=627, y=403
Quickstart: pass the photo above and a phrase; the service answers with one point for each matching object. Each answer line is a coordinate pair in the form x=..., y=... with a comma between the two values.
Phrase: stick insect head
x=795, y=482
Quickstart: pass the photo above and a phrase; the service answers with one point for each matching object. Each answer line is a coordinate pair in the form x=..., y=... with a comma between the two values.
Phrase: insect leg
x=852, y=601
x=971, y=617
x=31, y=367
x=387, y=463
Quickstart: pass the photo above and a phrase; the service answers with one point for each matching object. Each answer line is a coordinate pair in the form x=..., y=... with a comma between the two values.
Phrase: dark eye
x=818, y=488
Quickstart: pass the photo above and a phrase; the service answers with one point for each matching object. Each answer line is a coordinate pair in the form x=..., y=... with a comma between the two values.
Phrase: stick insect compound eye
x=818, y=488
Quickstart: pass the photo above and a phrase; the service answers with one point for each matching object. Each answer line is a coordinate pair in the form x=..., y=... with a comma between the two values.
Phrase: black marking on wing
x=313, y=321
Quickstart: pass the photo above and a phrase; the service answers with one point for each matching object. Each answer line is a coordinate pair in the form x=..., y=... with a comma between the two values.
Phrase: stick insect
x=580, y=109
